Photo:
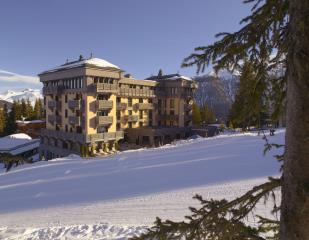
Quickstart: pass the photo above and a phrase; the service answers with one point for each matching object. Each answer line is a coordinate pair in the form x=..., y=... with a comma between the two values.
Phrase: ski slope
x=117, y=196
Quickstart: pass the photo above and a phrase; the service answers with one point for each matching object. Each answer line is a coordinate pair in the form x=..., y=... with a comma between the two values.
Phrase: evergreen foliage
x=250, y=104
x=207, y=115
x=196, y=114
x=20, y=110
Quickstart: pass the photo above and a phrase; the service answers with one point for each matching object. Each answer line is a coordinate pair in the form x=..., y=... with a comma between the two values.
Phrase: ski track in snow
x=118, y=196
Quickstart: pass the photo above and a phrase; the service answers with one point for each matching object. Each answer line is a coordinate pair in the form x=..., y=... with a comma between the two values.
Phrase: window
x=150, y=114
x=150, y=100
x=140, y=124
x=172, y=112
x=79, y=129
x=130, y=112
x=172, y=103
x=118, y=99
x=130, y=125
x=150, y=123
x=66, y=128
x=101, y=129
x=102, y=113
x=102, y=97
x=130, y=102
x=140, y=100
x=141, y=114
x=66, y=98
x=118, y=115
x=66, y=113
x=159, y=102
x=118, y=126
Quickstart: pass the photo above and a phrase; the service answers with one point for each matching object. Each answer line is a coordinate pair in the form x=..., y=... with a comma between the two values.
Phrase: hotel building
x=91, y=107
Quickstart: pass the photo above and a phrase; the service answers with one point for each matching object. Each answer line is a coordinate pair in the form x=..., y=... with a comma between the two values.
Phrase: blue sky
x=140, y=36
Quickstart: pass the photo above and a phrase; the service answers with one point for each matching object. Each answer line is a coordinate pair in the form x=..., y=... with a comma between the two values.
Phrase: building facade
x=91, y=105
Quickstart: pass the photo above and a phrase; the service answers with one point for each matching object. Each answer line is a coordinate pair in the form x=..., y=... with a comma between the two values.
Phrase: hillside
x=218, y=91
x=115, y=196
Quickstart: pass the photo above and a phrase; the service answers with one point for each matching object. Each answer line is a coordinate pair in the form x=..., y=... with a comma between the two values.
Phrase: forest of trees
x=202, y=115
x=20, y=110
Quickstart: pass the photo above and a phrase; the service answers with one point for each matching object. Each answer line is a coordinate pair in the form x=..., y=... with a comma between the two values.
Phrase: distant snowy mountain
x=31, y=94
x=218, y=91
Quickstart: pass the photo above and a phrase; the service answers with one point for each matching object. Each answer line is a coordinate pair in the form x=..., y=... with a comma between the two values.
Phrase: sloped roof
x=97, y=62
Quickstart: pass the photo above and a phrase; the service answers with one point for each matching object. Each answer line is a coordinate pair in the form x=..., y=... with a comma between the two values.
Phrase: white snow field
x=117, y=196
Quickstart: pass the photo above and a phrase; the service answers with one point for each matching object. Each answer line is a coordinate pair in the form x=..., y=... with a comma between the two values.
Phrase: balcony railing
x=167, y=117
x=104, y=104
x=130, y=118
x=52, y=90
x=144, y=106
x=108, y=136
x=54, y=104
x=74, y=104
x=104, y=120
x=106, y=88
x=121, y=106
x=54, y=119
x=74, y=120
x=69, y=136
x=136, y=92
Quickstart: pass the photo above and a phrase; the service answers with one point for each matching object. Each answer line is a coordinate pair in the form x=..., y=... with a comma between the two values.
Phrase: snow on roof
x=31, y=121
x=19, y=136
x=180, y=77
x=18, y=143
x=98, y=62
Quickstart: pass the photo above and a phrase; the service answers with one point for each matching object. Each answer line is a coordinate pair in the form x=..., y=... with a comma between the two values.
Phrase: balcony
x=106, y=88
x=104, y=104
x=121, y=106
x=134, y=92
x=52, y=90
x=73, y=120
x=54, y=104
x=144, y=106
x=130, y=118
x=108, y=136
x=69, y=136
x=167, y=117
x=54, y=119
x=104, y=120
x=74, y=104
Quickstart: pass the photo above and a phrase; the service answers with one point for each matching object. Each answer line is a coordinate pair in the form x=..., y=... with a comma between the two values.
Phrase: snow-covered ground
x=115, y=197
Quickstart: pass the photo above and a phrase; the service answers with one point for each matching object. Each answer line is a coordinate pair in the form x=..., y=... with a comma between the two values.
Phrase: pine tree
x=11, y=125
x=275, y=34
x=207, y=115
x=18, y=111
x=37, y=111
x=196, y=114
x=29, y=110
x=24, y=109
x=2, y=122
x=249, y=104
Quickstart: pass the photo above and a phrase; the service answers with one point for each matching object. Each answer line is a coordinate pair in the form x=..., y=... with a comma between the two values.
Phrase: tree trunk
x=295, y=191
